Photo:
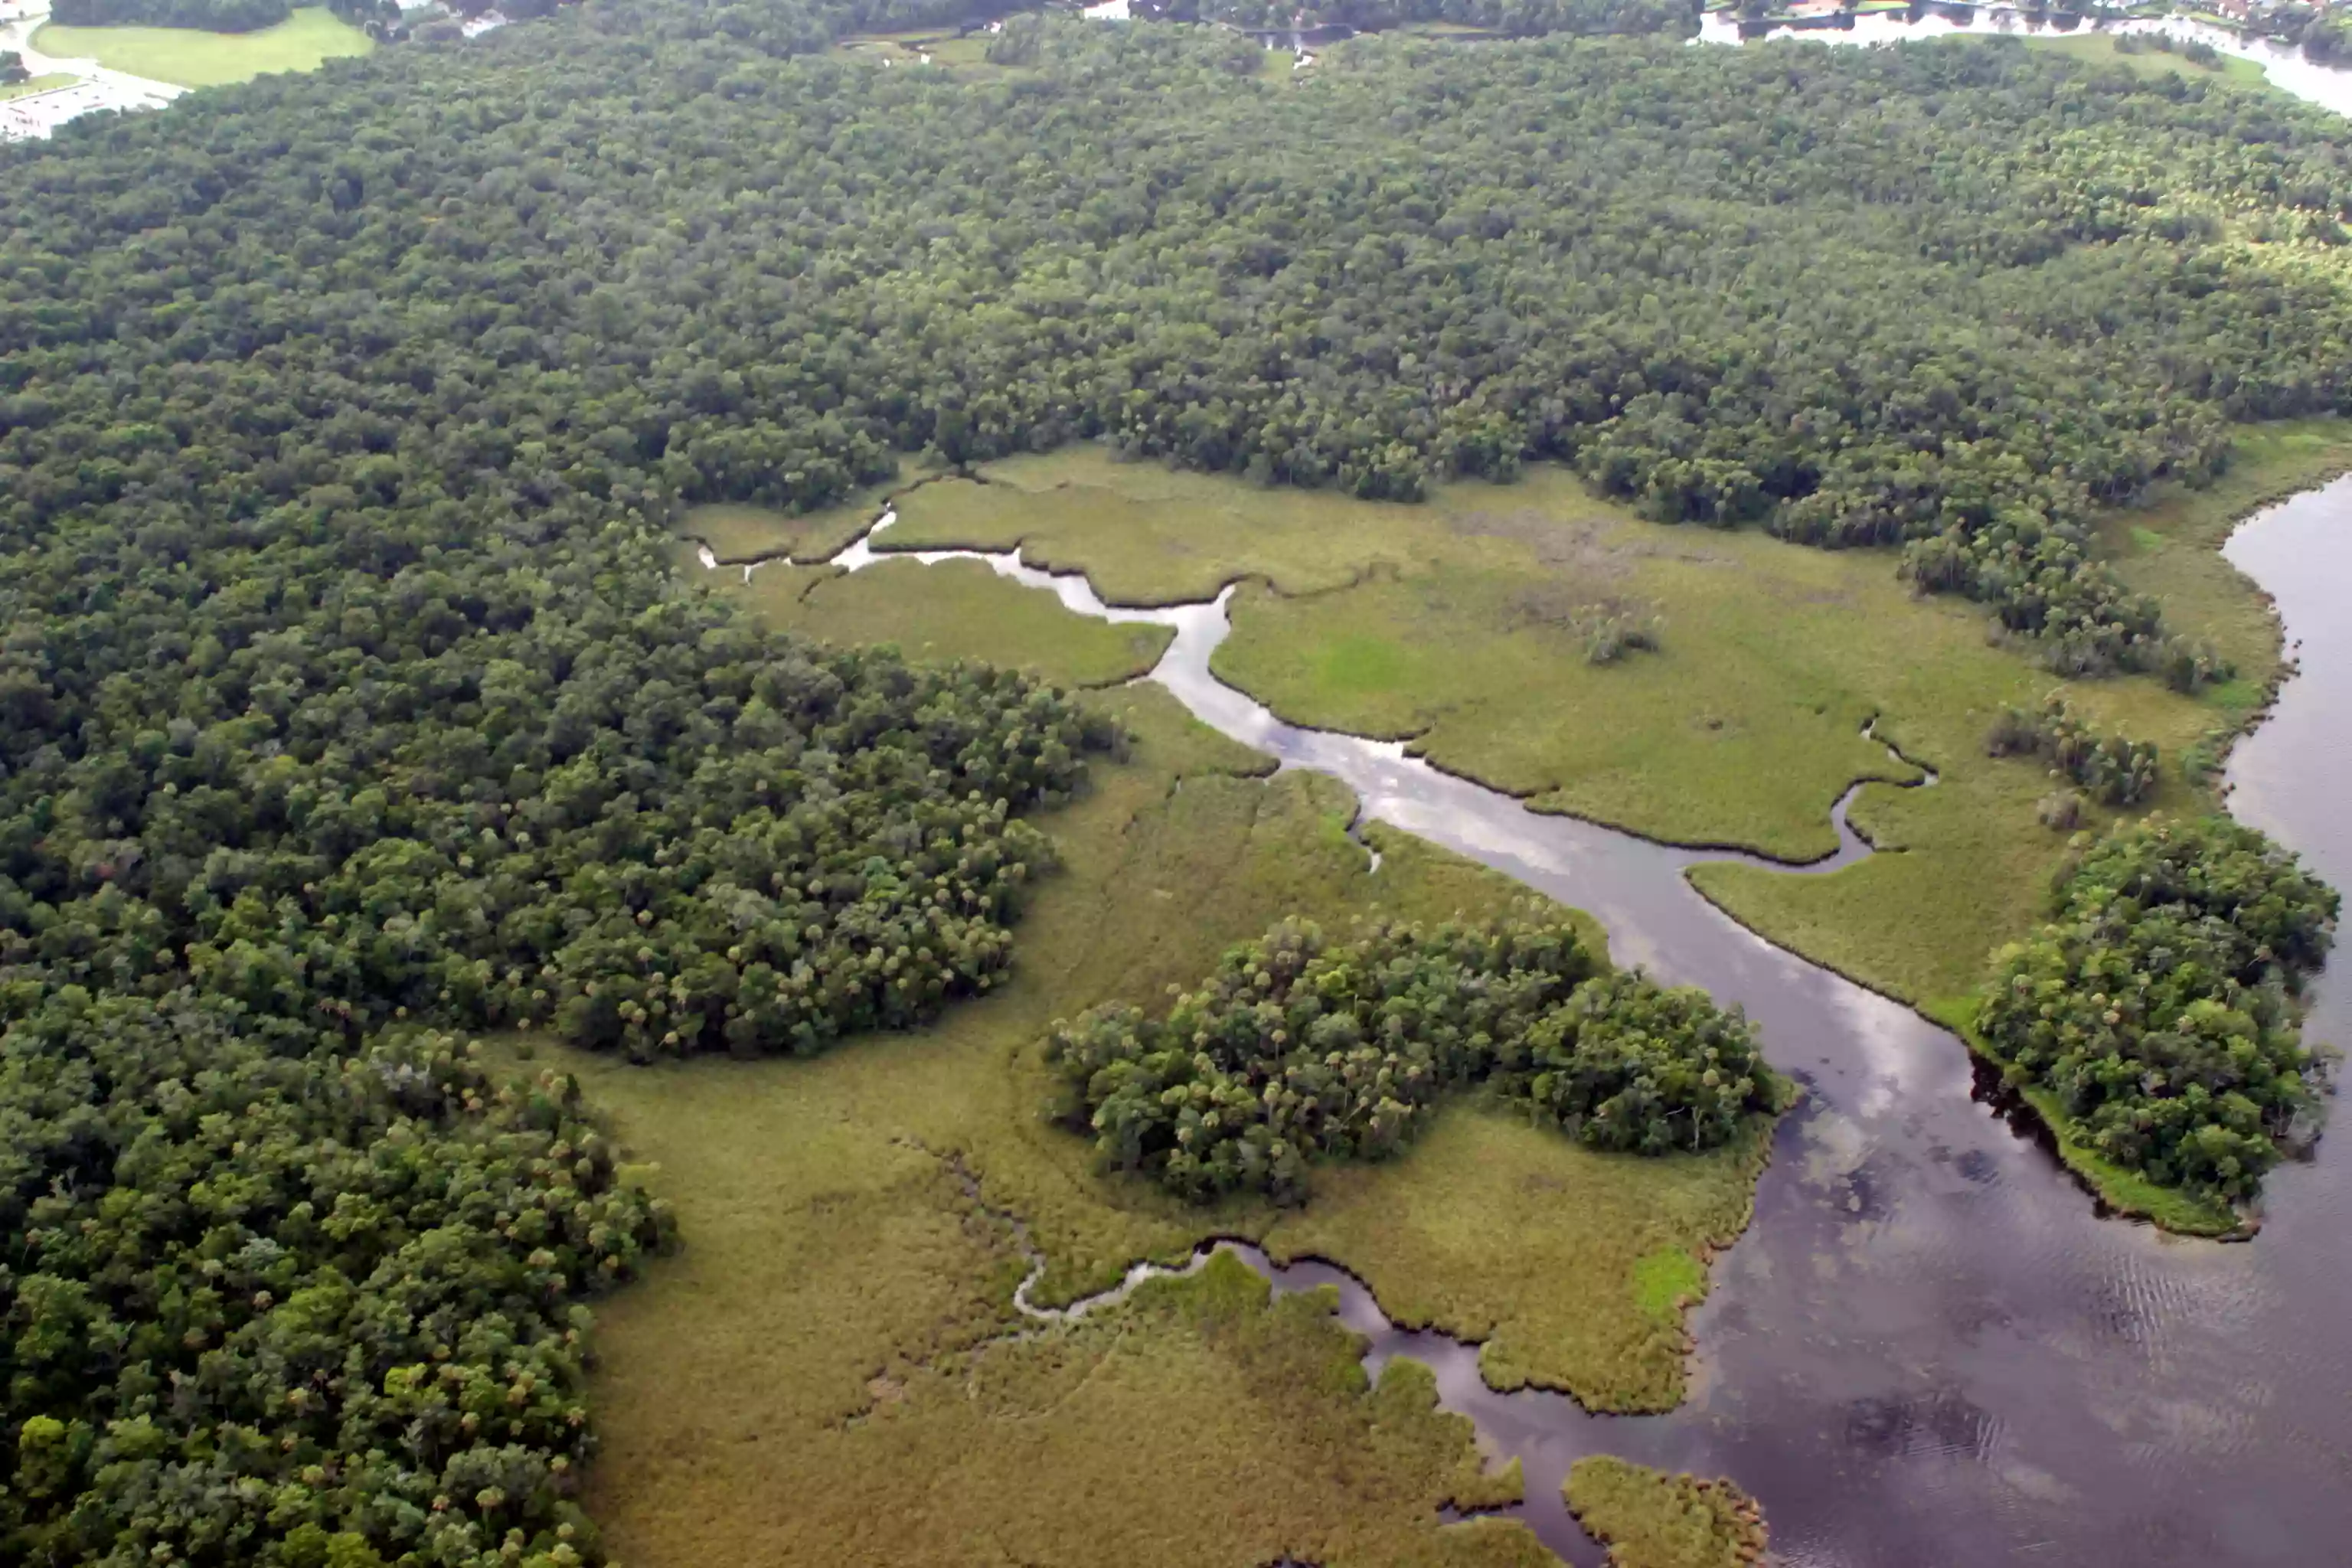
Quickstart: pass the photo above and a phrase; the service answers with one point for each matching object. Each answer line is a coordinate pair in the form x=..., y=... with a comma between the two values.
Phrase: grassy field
x=824, y=1373
x=1652, y=1520
x=957, y=609
x=31, y=85
x=1149, y=535
x=191, y=59
x=922, y=46
x=1462, y=624
x=2099, y=49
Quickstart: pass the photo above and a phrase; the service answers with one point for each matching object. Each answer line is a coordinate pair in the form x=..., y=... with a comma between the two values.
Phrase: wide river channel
x=1929, y=1349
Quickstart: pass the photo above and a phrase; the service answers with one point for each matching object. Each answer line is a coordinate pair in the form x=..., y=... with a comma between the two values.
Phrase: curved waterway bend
x=1929, y=1349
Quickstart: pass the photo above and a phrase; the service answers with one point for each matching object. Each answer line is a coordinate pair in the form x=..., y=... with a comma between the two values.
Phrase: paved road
x=97, y=87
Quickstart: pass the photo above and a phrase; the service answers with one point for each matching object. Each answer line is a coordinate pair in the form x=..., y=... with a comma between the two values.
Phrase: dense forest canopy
x=1955, y=294
x=344, y=695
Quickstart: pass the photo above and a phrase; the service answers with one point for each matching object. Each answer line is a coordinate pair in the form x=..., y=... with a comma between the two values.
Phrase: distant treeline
x=211, y=15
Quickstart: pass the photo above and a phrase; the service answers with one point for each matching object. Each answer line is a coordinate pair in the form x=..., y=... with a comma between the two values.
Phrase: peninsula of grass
x=826, y=1374
x=739, y=534
x=1649, y=1518
x=188, y=57
x=1975, y=863
x=955, y=609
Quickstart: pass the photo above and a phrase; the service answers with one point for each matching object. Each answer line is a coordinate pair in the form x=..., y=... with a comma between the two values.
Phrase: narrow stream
x=1929, y=1349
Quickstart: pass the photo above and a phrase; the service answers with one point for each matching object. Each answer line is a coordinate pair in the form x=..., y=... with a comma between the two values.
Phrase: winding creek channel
x=1928, y=1348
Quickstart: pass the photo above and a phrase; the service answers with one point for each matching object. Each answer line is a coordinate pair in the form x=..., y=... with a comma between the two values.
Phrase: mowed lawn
x=188, y=57
x=36, y=84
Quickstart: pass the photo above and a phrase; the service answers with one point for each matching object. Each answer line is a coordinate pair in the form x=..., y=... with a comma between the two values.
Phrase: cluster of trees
x=1609, y=634
x=2113, y=770
x=428, y=794
x=211, y=15
x=275, y=1295
x=12, y=68
x=2159, y=1007
x=1299, y=1047
x=2040, y=579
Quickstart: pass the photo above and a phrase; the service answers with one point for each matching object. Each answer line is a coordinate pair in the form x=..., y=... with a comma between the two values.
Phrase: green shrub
x=2159, y=1008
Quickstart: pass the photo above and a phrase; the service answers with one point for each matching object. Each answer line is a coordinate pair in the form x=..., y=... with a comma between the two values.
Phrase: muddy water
x=1929, y=1349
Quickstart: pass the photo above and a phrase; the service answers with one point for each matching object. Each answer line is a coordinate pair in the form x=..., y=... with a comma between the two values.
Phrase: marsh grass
x=1976, y=867
x=2099, y=50
x=1145, y=534
x=956, y=609
x=1649, y=1518
x=823, y=1373
x=1455, y=624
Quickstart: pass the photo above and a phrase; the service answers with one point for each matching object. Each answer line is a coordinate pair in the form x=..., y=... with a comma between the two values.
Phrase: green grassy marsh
x=821, y=1356
x=1460, y=624
x=1649, y=1518
x=739, y=534
x=956, y=609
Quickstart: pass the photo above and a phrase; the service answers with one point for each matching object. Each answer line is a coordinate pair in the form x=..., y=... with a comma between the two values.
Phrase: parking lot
x=94, y=87
x=38, y=114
